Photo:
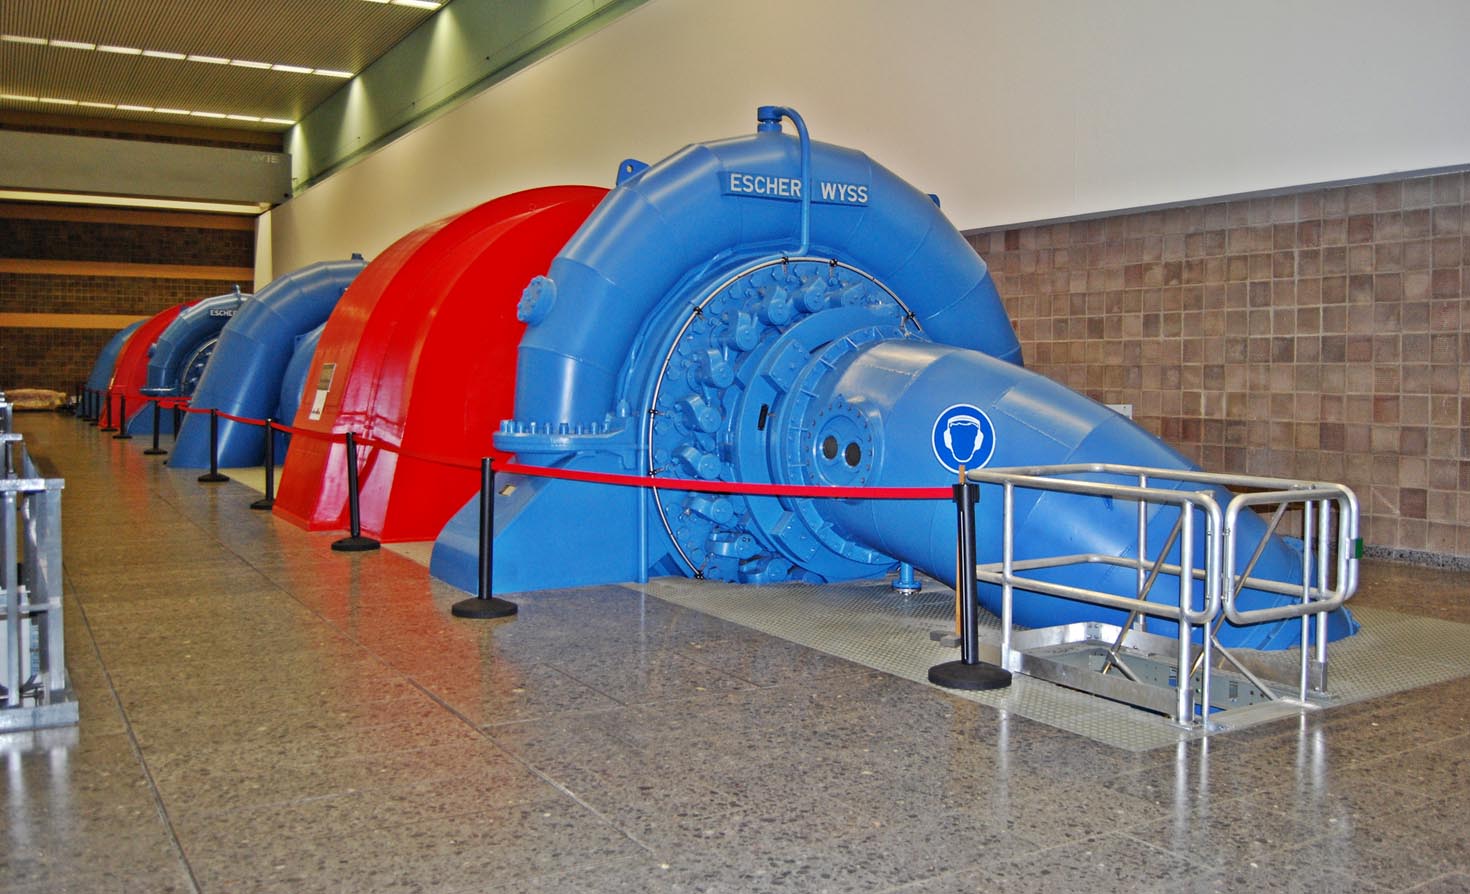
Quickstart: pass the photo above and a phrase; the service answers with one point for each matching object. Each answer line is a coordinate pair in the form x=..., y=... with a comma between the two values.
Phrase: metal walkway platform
x=869, y=623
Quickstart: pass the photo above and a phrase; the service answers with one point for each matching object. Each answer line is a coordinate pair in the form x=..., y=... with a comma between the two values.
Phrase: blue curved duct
x=244, y=374
x=293, y=385
x=101, y=376
x=177, y=359
x=679, y=335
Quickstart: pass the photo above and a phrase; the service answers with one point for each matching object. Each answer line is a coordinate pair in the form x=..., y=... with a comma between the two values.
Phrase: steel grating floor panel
x=870, y=623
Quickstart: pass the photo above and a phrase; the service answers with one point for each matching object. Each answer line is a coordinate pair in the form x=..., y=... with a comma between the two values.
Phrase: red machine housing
x=131, y=372
x=423, y=347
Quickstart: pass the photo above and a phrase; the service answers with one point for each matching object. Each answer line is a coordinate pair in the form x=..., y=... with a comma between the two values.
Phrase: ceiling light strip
x=156, y=110
x=178, y=57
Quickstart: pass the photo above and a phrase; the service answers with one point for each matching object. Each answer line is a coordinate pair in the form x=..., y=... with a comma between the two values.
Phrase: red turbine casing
x=131, y=372
x=424, y=346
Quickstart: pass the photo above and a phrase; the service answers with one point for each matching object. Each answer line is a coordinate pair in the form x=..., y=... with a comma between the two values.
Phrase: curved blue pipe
x=769, y=120
x=181, y=340
x=177, y=358
x=101, y=375
x=293, y=385
x=244, y=375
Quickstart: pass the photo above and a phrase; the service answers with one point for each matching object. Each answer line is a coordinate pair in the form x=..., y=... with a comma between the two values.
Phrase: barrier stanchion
x=122, y=427
x=269, y=499
x=155, y=450
x=355, y=542
x=484, y=605
x=213, y=476
x=107, y=409
x=178, y=421
x=969, y=672
x=87, y=401
x=82, y=399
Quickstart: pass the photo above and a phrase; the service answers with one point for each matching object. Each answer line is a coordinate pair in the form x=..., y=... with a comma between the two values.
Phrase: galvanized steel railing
x=33, y=685
x=1329, y=571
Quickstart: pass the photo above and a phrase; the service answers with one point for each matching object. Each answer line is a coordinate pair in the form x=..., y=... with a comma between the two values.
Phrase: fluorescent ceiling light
x=157, y=110
x=22, y=195
x=417, y=4
x=191, y=57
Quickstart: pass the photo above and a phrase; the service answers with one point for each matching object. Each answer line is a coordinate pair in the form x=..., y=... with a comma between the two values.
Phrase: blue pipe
x=293, y=384
x=170, y=373
x=178, y=358
x=244, y=375
x=101, y=375
x=769, y=119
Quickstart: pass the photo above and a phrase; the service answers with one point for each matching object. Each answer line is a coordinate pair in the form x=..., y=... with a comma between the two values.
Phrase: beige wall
x=1012, y=112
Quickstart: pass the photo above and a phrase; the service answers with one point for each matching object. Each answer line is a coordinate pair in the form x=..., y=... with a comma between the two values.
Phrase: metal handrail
x=31, y=597
x=1221, y=583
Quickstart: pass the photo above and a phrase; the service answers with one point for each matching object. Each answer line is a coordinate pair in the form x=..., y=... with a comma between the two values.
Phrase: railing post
x=354, y=542
x=107, y=408
x=178, y=419
x=969, y=673
x=122, y=427
x=484, y=605
x=213, y=476
x=155, y=450
x=269, y=499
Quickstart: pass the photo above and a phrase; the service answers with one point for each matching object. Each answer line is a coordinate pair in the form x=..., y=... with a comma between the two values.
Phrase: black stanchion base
x=494, y=607
x=213, y=478
x=122, y=436
x=262, y=504
x=154, y=451
x=971, y=677
x=355, y=544
x=108, y=428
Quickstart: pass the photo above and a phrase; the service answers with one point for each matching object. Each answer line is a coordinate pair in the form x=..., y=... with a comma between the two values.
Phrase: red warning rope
x=816, y=491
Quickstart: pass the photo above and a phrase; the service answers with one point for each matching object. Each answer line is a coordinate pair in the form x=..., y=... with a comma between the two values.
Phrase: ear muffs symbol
x=974, y=447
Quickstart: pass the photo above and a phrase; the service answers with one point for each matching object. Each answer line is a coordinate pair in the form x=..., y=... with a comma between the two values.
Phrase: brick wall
x=66, y=240
x=59, y=356
x=1316, y=335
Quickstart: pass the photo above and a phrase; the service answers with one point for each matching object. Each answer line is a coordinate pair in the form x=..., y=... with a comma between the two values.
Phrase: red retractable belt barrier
x=817, y=491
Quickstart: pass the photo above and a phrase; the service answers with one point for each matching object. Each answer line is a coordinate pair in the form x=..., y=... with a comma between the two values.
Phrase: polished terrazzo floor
x=259, y=713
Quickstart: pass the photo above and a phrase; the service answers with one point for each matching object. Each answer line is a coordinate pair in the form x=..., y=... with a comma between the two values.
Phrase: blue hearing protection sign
x=963, y=436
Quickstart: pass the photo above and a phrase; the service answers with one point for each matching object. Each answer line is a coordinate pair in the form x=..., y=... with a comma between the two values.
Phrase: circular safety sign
x=963, y=436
